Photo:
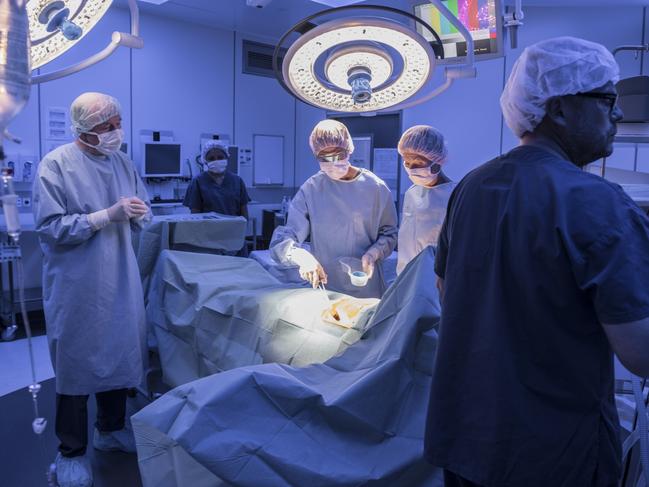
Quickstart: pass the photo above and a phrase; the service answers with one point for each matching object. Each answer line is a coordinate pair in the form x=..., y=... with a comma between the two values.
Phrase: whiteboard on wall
x=268, y=157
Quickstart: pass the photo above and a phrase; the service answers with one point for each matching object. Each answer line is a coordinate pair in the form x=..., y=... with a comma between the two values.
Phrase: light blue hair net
x=330, y=134
x=424, y=141
x=91, y=109
x=214, y=145
x=554, y=67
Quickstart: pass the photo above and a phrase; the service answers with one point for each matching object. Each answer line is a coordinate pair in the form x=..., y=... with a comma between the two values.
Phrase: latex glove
x=368, y=262
x=127, y=208
x=310, y=268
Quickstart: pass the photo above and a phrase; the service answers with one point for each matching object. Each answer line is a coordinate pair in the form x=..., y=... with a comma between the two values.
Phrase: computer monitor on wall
x=161, y=160
x=483, y=19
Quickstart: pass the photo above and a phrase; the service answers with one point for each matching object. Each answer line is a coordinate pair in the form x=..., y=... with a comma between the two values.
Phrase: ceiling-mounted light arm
x=637, y=49
x=470, y=53
x=132, y=41
x=451, y=74
x=306, y=24
x=512, y=21
x=135, y=20
x=466, y=70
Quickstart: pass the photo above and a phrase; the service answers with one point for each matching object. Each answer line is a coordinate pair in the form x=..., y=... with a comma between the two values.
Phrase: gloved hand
x=368, y=261
x=310, y=268
x=127, y=208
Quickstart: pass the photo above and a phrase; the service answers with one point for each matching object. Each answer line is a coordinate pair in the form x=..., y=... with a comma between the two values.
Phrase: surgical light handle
x=132, y=40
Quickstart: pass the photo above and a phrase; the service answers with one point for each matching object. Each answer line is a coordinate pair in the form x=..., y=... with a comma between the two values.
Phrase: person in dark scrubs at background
x=544, y=273
x=217, y=189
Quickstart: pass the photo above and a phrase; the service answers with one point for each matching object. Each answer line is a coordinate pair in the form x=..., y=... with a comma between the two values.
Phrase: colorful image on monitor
x=478, y=16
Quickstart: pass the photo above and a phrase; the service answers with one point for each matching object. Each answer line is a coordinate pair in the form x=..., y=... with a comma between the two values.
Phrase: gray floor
x=26, y=457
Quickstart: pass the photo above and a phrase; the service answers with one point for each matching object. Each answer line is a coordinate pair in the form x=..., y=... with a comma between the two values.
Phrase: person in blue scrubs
x=544, y=273
x=217, y=189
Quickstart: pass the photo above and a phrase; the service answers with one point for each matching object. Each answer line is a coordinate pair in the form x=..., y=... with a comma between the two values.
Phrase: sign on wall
x=268, y=160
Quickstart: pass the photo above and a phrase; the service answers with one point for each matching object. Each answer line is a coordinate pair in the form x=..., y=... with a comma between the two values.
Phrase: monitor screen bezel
x=500, y=45
x=146, y=174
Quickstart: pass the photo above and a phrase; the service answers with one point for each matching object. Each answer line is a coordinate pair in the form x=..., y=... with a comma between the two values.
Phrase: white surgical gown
x=92, y=294
x=424, y=210
x=343, y=219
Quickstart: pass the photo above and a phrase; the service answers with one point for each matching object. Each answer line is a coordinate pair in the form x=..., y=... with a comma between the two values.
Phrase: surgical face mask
x=335, y=170
x=217, y=167
x=109, y=142
x=423, y=176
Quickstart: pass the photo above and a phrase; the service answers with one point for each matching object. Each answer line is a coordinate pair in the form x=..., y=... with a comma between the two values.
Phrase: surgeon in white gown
x=345, y=211
x=88, y=201
x=423, y=150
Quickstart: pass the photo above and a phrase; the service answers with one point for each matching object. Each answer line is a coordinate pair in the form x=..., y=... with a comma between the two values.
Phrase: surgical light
x=50, y=27
x=365, y=64
x=56, y=26
x=359, y=75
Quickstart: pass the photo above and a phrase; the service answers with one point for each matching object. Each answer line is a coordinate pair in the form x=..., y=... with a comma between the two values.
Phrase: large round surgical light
x=369, y=64
x=57, y=25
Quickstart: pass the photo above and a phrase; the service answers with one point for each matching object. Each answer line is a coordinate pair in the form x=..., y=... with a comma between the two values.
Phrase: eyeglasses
x=610, y=97
x=332, y=157
x=416, y=162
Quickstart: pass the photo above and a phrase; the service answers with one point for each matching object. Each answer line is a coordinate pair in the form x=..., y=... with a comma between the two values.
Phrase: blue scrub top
x=535, y=254
x=206, y=195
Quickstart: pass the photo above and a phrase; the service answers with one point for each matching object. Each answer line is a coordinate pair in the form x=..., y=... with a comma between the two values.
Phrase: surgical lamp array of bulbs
x=365, y=64
x=35, y=32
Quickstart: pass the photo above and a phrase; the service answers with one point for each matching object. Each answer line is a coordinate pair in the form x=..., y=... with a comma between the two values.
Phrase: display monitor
x=162, y=159
x=483, y=19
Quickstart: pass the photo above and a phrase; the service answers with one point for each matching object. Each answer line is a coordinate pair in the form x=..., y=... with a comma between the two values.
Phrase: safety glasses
x=331, y=158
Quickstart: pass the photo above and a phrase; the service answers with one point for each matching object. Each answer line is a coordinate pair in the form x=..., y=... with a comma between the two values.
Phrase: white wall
x=182, y=81
x=262, y=107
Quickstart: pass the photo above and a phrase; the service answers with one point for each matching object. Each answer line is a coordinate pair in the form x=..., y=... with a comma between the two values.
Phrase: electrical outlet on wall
x=26, y=201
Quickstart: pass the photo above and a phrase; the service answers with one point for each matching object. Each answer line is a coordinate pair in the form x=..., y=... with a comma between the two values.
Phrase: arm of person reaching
x=285, y=243
x=387, y=234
